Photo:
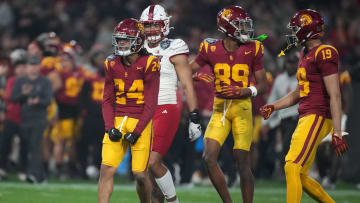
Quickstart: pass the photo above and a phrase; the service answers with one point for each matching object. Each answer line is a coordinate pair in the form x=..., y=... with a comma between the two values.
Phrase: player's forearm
x=335, y=108
x=261, y=87
x=289, y=100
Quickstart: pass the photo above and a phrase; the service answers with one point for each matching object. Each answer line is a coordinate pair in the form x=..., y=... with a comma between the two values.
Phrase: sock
x=166, y=185
x=315, y=190
x=293, y=182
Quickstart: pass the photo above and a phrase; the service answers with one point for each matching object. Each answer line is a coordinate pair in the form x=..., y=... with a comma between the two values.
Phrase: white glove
x=194, y=131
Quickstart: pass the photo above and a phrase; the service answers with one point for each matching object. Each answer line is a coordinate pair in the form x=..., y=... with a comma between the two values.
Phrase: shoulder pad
x=178, y=46
x=211, y=40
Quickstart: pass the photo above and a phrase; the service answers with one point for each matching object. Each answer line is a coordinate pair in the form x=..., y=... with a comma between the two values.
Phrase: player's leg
x=112, y=154
x=166, y=121
x=215, y=135
x=140, y=152
x=310, y=186
x=242, y=131
x=305, y=140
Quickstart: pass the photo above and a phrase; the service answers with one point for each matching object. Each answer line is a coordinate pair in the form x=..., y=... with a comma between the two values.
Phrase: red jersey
x=71, y=86
x=13, y=109
x=317, y=63
x=131, y=90
x=232, y=68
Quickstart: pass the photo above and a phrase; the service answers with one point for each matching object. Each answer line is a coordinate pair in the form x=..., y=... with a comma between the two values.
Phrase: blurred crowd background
x=90, y=24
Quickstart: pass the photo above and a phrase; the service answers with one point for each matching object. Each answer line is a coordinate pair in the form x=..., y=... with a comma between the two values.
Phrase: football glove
x=231, y=91
x=194, y=125
x=203, y=77
x=114, y=134
x=339, y=143
x=131, y=137
x=266, y=111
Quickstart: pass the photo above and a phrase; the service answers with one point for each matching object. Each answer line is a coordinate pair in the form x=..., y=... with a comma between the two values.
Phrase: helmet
x=304, y=25
x=49, y=42
x=235, y=23
x=156, y=14
x=128, y=29
x=73, y=46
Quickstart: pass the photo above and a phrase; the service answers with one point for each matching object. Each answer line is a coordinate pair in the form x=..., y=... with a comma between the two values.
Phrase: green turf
x=86, y=192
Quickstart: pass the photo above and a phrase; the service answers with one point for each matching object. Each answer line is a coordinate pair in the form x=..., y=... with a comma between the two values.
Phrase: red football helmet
x=128, y=37
x=235, y=23
x=304, y=25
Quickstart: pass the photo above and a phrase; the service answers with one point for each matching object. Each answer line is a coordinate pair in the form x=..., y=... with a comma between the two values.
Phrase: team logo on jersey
x=165, y=44
x=138, y=67
x=210, y=40
x=247, y=52
x=112, y=63
x=213, y=48
x=231, y=58
x=305, y=20
x=126, y=74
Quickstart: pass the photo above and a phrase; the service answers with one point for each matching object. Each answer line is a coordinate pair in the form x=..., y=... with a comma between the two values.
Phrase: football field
x=86, y=192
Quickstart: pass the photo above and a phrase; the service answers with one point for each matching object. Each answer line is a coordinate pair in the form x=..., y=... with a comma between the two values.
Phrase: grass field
x=86, y=192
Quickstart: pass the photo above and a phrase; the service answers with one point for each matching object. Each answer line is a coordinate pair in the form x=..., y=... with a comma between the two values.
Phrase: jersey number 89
x=224, y=73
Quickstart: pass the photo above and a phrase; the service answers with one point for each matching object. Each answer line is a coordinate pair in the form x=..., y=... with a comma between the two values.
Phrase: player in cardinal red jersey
x=319, y=98
x=129, y=103
x=234, y=60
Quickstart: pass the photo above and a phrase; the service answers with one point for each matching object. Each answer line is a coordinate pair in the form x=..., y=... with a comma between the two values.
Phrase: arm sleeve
x=327, y=59
x=202, y=57
x=46, y=96
x=178, y=47
x=16, y=93
x=258, y=59
x=151, y=91
x=108, y=99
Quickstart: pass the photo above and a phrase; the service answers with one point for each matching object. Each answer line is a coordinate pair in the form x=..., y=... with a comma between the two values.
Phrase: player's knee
x=291, y=168
x=140, y=178
x=107, y=172
x=208, y=160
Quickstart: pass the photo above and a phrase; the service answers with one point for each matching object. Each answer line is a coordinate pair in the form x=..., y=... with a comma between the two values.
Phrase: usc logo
x=305, y=20
x=226, y=14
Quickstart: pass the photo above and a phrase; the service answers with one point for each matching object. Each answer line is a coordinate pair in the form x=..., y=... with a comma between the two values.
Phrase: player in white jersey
x=174, y=65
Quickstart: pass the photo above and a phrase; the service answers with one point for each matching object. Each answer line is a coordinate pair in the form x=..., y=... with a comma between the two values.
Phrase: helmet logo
x=305, y=19
x=226, y=14
x=141, y=27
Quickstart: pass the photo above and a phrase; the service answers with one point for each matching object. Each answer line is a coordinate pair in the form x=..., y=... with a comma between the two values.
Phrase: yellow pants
x=114, y=152
x=309, y=132
x=235, y=114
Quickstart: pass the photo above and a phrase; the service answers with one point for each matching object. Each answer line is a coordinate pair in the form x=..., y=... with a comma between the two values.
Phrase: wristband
x=253, y=91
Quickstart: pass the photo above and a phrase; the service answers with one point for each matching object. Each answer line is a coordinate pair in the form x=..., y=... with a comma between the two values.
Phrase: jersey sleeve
x=327, y=60
x=178, y=46
x=109, y=97
x=258, y=59
x=151, y=91
x=202, y=56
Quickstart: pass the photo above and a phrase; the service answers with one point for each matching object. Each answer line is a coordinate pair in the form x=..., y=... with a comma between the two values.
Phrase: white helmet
x=156, y=14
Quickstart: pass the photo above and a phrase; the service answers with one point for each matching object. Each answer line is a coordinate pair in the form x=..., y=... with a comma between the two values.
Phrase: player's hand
x=339, y=143
x=114, y=134
x=131, y=137
x=195, y=130
x=203, y=77
x=266, y=111
x=231, y=91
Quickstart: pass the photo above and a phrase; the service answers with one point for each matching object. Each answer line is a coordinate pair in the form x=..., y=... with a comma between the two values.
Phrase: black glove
x=114, y=134
x=194, y=116
x=131, y=137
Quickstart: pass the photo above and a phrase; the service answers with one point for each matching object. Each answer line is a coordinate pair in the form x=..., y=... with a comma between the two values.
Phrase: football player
x=174, y=65
x=129, y=102
x=319, y=98
x=234, y=60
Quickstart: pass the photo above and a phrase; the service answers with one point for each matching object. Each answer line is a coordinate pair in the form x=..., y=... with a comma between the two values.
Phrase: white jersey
x=168, y=77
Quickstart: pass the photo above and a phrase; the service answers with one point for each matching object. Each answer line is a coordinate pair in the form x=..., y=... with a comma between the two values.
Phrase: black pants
x=92, y=134
x=10, y=130
x=32, y=133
